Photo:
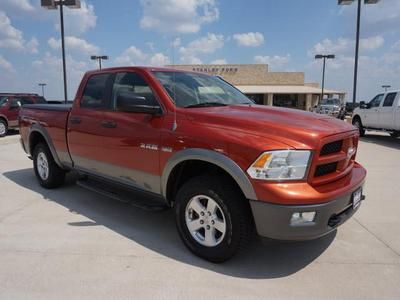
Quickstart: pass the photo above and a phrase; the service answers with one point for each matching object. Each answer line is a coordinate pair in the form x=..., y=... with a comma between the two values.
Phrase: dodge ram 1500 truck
x=226, y=165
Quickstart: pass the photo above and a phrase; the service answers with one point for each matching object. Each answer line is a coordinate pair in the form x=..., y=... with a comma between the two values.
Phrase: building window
x=286, y=100
x=257, y=98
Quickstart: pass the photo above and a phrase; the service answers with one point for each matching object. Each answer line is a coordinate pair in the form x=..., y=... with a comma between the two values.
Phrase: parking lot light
x=42, y=84
x=52, y=5
x=99, y=58
x=348, y=2
x=324, y=57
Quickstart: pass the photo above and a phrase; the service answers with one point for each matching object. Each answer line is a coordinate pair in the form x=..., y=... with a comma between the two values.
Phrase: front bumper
x=273, y=220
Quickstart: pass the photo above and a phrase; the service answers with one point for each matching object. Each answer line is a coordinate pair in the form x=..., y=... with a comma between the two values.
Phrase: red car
x=195, y=143
x=10, y=104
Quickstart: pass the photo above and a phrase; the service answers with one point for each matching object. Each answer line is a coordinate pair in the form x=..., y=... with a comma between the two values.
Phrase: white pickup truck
x=381, y=113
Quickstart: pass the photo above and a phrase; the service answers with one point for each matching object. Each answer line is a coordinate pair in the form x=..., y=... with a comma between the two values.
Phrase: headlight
x=281, y=165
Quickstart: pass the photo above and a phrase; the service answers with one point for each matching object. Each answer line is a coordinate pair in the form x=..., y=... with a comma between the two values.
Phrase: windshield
x=197, y=90
x=330, y=102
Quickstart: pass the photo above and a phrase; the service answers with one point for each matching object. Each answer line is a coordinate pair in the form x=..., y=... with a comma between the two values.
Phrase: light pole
x=348, y=2
x=53, y=4
x=324, y=57
x=42, y=85
x=386, y=87
x=99, y=58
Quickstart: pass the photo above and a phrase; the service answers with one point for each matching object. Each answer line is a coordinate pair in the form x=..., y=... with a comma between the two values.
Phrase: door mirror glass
x=129, y=101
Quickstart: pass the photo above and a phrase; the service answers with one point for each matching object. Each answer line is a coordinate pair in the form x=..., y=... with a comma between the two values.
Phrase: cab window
x=389, y=99
x=3, y=101
x=132, y=83
x=376, y=101
x=95, y=95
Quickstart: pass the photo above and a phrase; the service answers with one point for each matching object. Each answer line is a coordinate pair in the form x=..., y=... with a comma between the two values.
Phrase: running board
x=132, y=197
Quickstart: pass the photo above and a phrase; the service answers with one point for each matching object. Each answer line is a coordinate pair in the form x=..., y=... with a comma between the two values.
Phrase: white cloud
x=159, y=59
x=220, y=61
x=250, y=39
x=273, y=61
x=24, y=5
x=79, y=20
x=33, y=45
x=12, y=38
x=75, y=44
x=134, y=56
x=49, y=69
x=177, y=16
x=6, y=65
x=344, y=45
x=204, y=45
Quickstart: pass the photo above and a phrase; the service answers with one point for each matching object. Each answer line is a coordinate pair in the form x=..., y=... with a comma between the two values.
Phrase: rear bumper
x=273, y=220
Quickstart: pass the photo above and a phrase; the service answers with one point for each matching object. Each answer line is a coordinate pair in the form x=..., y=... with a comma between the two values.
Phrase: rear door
x=397, y=113
x=370, y=117
x=13, y=110
x=132, y=140
x=387, y=111
x=85, y=131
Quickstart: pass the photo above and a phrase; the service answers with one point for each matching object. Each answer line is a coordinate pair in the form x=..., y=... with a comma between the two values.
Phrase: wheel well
x=186, y=170
x=34, y=139
x=357, y=117
x=4, y=119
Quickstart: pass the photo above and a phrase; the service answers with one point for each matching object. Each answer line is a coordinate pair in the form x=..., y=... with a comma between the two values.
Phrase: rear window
x=389, y=99
x=40, y=100
x=95, y=95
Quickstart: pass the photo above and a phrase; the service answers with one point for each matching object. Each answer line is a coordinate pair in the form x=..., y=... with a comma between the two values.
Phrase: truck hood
x=295, y=128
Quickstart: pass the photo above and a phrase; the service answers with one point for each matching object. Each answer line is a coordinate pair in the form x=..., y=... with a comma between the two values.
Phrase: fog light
x=302, y=218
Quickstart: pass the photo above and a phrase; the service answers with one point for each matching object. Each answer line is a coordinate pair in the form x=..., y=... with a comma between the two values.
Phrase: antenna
x=174, y=125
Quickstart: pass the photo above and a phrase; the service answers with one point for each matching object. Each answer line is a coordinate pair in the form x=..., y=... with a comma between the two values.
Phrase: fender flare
x=212, y=157
x=4, y=117
x=37, y=128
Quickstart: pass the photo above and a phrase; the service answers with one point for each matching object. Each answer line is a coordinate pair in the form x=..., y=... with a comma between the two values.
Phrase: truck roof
x=18, y=94
x=144, y=68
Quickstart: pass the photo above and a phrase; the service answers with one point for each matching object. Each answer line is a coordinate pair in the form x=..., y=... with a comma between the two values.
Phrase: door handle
x=75, y=120
x=108, y=124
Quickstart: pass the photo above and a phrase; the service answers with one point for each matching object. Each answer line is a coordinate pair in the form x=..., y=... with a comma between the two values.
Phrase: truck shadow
x=156, y=231
x=383, y=140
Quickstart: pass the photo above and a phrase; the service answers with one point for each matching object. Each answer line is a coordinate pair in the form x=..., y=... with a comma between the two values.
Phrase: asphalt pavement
x=71, y=243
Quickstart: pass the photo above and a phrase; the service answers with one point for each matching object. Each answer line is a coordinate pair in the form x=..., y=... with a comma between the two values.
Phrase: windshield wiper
x=206, y=104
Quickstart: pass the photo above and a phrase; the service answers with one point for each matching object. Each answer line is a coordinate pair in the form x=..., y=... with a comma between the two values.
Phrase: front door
x=387, y=112
x=132, y=140
x=370, y=116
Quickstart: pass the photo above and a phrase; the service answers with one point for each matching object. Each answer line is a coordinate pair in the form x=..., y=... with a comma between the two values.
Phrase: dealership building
x=287, y=89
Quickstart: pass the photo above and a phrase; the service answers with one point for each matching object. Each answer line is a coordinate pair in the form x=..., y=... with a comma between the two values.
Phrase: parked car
x=10, y=104
x=197, y=144
x=332, y=107
x=381, y=113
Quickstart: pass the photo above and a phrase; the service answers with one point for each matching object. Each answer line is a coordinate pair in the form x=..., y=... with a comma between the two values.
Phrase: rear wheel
x=395, y=134
x=48, y=173
x=213, y=218
x=357, y=123
x=3, y=128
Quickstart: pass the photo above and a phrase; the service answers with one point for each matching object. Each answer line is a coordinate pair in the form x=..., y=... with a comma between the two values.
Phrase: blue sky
x=284, y=34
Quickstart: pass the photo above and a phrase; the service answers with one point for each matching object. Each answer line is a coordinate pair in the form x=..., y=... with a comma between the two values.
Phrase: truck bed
x=50, y=120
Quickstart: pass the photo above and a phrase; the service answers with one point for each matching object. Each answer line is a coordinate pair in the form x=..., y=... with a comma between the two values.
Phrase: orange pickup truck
x=227, y=166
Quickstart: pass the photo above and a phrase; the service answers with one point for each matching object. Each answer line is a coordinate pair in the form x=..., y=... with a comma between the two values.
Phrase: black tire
x=236, y=212
x=395, y=134
x=357, y=123
x=55, y=176
x=3, y=124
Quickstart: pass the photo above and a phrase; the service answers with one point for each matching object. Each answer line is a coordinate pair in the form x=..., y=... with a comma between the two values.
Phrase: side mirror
x=363, y=105
x=128, y=101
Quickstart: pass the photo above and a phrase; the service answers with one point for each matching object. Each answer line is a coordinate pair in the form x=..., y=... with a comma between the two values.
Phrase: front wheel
x=357, y=123
x=48, y=173
x=3, y=128
x=213, y=218
x=395, y=134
